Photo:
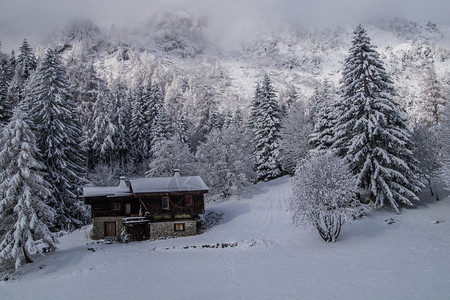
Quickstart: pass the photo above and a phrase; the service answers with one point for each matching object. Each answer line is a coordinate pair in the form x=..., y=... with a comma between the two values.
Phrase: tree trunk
x=27, y=258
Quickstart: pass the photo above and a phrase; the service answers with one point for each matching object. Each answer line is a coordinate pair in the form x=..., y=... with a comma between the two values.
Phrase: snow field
x=407, y=259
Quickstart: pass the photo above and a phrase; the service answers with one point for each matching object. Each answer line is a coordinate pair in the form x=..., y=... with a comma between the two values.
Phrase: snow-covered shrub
x=324, y=195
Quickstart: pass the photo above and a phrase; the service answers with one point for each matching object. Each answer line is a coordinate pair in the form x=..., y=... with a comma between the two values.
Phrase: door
x=110, y=228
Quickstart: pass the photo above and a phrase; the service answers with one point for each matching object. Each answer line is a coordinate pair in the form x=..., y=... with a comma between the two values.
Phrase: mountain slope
x=180, y=47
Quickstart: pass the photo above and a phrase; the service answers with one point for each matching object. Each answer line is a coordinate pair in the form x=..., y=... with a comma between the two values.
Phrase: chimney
x=123, y=185
x=176, y=172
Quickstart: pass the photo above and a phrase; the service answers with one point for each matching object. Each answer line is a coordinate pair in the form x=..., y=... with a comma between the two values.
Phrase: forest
x=69, y=119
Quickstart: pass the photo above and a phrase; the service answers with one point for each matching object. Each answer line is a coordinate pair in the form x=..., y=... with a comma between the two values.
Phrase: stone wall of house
x=167, y=229
x=98, y=226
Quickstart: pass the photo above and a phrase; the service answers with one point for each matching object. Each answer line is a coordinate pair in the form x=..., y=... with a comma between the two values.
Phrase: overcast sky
x=33, y=19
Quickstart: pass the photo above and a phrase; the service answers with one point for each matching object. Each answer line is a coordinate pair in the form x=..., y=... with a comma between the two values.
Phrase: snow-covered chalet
x=145, y=208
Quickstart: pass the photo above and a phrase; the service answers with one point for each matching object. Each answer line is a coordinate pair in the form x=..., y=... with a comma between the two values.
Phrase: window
x=127, y=208
x=187, y=200
x=179, y=226
x=165, y=202
x=115, y=206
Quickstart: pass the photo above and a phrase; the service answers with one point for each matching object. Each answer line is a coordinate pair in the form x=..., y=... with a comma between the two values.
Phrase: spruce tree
x=24, y=193
x=433, y=101
x=370, y=132
x=84, y=86
x=26, y=60
x=265, y=124
x=104, y=131
x=139, y=133
x=161, y=129
x=4, y=109
x=121, y=119
x=53, y=113
x=324, y=119
x=12, y=65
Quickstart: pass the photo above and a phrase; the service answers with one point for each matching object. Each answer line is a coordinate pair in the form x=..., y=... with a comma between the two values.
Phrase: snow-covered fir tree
x=12, y=65
x=15, y=90
x=323, y=118
x=24, y=193
x=153, y=99
x=224, y=160
x=53, y=113
x=181, y=128
x=216, y=119
x=314, y=104
x=433, y=101
x=324, y=195
x=84, y=85
x=139, y=133
x=4, y=109
x=294, y=134
x=26, y=60
x=370, y=132
x=105, y=132
x=161, y=128
x=265, y=124
x=171, y=154
x=6, y=67
x=122, y=117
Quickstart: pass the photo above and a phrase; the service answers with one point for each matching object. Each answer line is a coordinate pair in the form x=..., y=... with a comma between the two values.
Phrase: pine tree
x=26, y=60
x=24, y=213
x=433, y=101
x=53, y=113
x=265, y=124
x=371, y=133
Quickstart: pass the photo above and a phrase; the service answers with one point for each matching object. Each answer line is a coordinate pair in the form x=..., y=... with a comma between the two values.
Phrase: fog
x=34, y=20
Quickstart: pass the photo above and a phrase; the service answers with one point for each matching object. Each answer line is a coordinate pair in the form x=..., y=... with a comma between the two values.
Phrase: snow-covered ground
x=382, y=256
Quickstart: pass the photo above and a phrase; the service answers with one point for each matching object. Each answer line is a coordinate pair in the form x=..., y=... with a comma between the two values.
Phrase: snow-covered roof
x=110, y=191
x=149, y=185
x=168, y=184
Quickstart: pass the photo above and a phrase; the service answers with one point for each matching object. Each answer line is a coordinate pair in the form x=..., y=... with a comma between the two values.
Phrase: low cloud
x=33, y=20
